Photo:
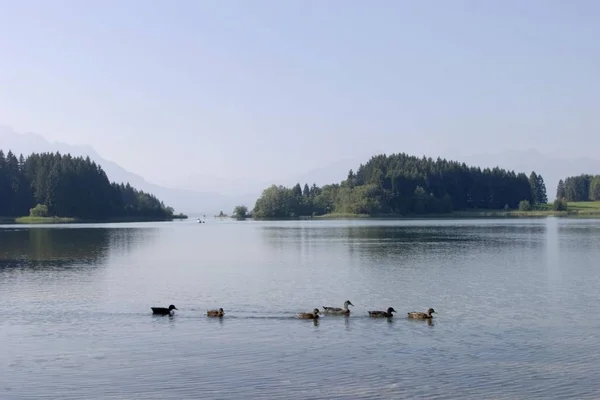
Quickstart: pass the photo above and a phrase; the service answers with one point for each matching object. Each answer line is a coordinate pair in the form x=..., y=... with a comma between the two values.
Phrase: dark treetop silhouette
x=69, y=187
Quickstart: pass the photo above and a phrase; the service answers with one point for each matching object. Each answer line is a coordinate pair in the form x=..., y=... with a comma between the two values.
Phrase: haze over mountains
x=209, y=194
x=196, y=194
x=181, y=200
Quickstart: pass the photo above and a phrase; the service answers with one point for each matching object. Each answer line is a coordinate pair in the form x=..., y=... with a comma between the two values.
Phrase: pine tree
x=297, y=190
x=595, y=188
x=351, y=179
x=540, y=186
x=533, y=182
x=560, y=190
x=306, y=191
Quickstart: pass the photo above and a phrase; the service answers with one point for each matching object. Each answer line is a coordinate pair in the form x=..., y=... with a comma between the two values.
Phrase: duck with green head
x=163, y=310
x=383, y=314
x=312, y=315
x=338, y=310
x=421, y=315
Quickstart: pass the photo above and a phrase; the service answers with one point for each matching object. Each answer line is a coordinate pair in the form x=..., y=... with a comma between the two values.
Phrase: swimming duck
x=337, y=310
x=215, y=313
x=163, y=310
x=421, y=315
x=381, y=314
x=312, y=315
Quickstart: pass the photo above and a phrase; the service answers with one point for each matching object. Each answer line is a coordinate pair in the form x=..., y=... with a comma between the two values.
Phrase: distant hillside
x=187, y=201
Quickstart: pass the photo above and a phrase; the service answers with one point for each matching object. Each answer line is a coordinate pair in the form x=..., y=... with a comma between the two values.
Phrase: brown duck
x=337, y=310
x=312, y=315
x=215, y=313
x=421, y=315
x=383, y=314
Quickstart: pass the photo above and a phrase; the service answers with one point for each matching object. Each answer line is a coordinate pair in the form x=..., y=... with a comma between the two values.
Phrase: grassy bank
x=585, y=207
x=574, y=209
x=43, y=220
x=455, y=214
x=129, y=219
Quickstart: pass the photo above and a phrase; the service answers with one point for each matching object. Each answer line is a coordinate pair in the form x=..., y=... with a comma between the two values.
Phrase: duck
x=215, y=313
x=163, y=310
x=337, y=310
x=381, y=314
x=312, y=315
x=421, y=315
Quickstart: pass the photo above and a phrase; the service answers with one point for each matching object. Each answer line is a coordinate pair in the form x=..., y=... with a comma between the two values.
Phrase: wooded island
x=65, y=188
x=404, y=185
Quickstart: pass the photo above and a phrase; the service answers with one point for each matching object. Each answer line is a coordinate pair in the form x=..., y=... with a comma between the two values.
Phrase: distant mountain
x=197, y=194
x=333, y=173
x=182, y=200
x=551, y=168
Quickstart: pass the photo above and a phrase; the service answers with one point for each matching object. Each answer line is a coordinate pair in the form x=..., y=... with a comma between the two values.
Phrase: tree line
x=66, y=186
x=579, y=188
x=404, y=184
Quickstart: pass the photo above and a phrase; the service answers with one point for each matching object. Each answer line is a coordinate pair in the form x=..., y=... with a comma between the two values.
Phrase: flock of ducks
x=315, y=314
x=375, y=314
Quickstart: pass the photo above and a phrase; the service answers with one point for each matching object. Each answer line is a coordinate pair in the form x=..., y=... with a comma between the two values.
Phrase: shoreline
x=575, y=210
x=457, y=215
x=452, y=215
x=71, y=220
x=468, y=214
x=580, y=210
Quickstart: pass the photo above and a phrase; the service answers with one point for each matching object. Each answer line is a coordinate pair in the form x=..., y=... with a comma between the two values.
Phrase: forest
x=579, y=188
x=51, y=184
x=402, y=184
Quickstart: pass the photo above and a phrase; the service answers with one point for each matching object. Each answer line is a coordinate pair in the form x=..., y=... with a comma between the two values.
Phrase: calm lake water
x=517, y=304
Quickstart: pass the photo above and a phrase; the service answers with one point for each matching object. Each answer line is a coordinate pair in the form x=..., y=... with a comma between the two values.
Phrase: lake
x=516, y=301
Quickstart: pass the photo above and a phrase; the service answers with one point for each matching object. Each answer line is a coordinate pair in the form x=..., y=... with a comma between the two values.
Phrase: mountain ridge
x=182, y=200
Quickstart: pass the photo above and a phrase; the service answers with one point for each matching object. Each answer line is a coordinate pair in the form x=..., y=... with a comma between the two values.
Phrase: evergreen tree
x=297, y=190
x=541, y=195
x=351, y=179
x=306, y=191
x=21, y=163
x=595, y=188
x=560, y=190
x=533, y=183
x=577, y=188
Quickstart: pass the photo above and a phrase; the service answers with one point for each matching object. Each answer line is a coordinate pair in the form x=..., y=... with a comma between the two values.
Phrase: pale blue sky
x=272, y=88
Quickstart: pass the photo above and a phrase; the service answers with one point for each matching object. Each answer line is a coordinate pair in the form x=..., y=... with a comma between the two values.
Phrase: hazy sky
x=170, y=88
